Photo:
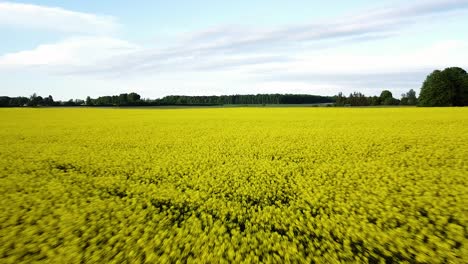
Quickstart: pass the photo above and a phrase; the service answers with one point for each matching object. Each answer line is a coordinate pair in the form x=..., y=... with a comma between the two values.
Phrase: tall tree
x=445, y=88
x=49, y=101
x=33, y=100
x=409, y=98
x=89, y=101
x=412, y=99
x=123, y=99
x=133, y=98
x=340, y=99
x=386, y=97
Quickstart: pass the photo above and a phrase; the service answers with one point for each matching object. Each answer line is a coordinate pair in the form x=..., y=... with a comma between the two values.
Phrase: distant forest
x=134, y=99
x=441, y=88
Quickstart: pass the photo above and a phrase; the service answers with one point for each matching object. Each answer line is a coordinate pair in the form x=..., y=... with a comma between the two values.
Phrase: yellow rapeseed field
x=219, y=185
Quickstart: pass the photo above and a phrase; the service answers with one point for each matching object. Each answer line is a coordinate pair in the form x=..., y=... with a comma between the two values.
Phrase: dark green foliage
x=409, y=98
x=34, y=100
x=386, y=98
x=89, y=102
x=245, y=99
x=131, y=99
x=374, y=100
x=359, y=99
x=445, y=88
x=386, y=95
x=17, y=101
x=412, y=99
x=71, y=102
x=49, y=101
x=134, y=99
x=340, y=99
x=4, y=100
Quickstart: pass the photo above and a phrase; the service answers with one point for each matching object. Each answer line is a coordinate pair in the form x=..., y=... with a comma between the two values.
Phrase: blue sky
x=71, y=49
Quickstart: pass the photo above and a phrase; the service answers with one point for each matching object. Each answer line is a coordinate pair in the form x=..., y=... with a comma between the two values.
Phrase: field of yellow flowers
x=223, y=185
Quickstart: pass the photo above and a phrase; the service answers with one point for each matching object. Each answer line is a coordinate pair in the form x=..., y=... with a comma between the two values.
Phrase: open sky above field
x=72, y=49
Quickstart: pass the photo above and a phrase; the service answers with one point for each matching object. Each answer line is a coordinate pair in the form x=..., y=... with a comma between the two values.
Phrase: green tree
x=374, y=100
x=412, y=98
x=445, y=88
x=340, y=99
x=4, y=101
x=133, y=98
x=386, y=98
x=404, y=99
x=35, y=100
x=122, y=99
x=89, y=101
x=409, y=98
x=49, y=101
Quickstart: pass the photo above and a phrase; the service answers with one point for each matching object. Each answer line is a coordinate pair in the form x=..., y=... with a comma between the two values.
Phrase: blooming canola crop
x=242, y=185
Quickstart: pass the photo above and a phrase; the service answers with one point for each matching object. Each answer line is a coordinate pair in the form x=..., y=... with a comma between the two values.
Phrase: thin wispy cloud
x=198, y=49
x=54, y=19
x=322, y=54
x=374, y=22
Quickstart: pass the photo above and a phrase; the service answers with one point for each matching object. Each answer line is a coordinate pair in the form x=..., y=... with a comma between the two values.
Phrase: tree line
x=385, y=98
x=134, y=99
x=36, y=100
x=448, y=87
x=246, y=99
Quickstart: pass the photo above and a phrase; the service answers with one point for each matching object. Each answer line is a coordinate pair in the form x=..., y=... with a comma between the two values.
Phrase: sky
x=74, y=49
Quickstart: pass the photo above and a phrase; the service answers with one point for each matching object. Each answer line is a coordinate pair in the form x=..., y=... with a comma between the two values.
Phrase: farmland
x=226, y=185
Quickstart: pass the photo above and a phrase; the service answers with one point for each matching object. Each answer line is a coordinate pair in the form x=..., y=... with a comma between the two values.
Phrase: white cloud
x=233, y=47
x=299, y=58
x=71, y=52
x=435, y=55
x=54, y=18
x=364, y=72
x=237, y=47
x=376, y=23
